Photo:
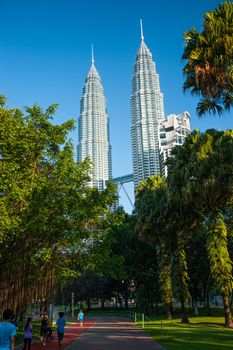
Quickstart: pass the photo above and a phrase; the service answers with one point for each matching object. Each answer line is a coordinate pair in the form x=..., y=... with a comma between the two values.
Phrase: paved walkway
x=114, y=333
x=72, y=333
x=101, y=333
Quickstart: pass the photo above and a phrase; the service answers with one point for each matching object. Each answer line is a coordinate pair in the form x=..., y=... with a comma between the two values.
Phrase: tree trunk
x=120, y=301
x=184, y=317
x=157, y=307
x=102, y=304
x=126, y=303
x=208, y=304
x=227, y=310
x=169, y=311
x=102, y=297
x=88, y=304
x=126, y=297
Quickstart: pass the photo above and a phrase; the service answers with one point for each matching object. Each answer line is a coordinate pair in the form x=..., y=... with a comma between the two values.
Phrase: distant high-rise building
x=173, y=132
x=147, y=111
x=93, y=129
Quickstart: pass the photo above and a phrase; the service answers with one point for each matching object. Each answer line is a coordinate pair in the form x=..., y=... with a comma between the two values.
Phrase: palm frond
x=209, y=106
x=209, y=66
x=228, y=100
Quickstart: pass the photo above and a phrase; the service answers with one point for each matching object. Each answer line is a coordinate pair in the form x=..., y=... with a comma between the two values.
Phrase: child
x=81, y=317
x=61, y=322
x=28, y=334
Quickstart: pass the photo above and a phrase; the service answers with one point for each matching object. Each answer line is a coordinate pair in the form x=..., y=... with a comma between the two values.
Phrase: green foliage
x=2, y=100
x=193, y=254
x=46, y=209
x=209, y=56
x=201, y=176
x=220, y=262
x=158, y=220
x=165, y=273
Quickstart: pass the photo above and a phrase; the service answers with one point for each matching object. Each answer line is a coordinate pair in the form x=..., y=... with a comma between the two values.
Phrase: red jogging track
x=72, y=332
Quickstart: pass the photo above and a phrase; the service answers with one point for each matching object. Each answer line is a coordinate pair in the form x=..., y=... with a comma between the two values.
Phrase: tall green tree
x=201, y=174
x=152, y=224
x=46, y=209
x=198, y=267
x=209, y=56
x=142, y=267
x=163, y=218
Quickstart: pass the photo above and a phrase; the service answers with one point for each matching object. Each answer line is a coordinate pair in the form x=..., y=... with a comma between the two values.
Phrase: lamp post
x=43, y=305
x=72, y=304
x=39, y=306
x=33, y=306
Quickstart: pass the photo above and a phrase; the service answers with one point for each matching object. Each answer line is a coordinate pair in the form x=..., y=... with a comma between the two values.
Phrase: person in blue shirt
x=81, y=317
x=7, y=332
x=61, y=322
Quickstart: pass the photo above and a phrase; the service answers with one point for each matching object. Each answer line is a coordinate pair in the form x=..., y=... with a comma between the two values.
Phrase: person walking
x=61, y=322
x=28, y=334
x=50, y=330
x=81, y=317
x=44, y=322
x=7, y=332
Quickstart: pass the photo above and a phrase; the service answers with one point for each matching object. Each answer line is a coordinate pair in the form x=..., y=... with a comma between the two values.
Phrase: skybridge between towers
x=120, y=181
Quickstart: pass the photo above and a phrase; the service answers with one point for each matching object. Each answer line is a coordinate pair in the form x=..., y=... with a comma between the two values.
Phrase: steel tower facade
x=93, y=129
x=147, y=111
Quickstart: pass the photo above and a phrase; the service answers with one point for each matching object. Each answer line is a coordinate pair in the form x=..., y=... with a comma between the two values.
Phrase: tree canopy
x=47, y=212
x=209, y=56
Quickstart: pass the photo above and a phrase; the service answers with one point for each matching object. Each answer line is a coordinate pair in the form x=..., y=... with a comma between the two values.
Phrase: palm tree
x=159, y=219
x=151, y=209
x=209, y=55
x=201, y=174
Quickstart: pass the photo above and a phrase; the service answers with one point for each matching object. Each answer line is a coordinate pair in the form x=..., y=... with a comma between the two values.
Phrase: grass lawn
x=202, y=333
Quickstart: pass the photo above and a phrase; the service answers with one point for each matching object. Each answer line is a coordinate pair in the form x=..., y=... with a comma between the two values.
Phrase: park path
x=72, y=332
x=105, y=333
x=113, y=333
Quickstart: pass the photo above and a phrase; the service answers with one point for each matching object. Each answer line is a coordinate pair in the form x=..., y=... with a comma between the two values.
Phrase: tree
x=46, y=209
x=209, y=55
x=200, y=173
x=152, y=224
x=163, y=218
x=198, y=267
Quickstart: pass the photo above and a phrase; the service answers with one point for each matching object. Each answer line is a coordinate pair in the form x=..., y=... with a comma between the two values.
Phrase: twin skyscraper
x=147, y=121
x=93, y=129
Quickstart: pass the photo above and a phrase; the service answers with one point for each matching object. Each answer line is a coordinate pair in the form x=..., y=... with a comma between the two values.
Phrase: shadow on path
x=114, y=333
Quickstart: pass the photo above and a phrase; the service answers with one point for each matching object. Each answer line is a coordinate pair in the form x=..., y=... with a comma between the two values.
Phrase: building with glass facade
x=147, y=112
x=93, y=130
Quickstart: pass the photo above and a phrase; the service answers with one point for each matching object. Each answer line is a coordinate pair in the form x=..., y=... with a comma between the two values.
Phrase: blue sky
x=45, y=54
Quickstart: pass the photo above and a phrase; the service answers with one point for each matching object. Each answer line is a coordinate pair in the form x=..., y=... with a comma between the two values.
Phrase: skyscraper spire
x=93, y=128
x=92, y=54
x=146, y=113
x=142, y=36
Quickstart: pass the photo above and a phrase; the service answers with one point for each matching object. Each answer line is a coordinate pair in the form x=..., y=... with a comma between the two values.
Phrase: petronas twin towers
x=147, y=112
x=93, y=128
